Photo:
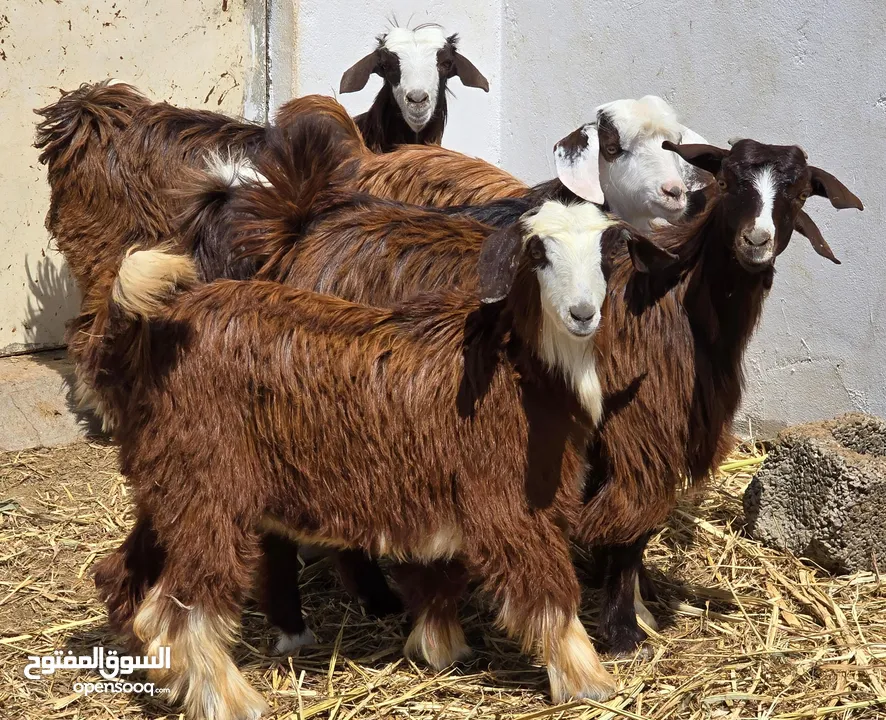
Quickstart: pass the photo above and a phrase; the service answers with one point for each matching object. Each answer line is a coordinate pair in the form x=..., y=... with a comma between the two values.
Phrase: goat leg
x=534, y=583
x=622, y=601
x=362, y=577
x=279, y=594
x=125, y=576
x=432, y=593
x=194, y=607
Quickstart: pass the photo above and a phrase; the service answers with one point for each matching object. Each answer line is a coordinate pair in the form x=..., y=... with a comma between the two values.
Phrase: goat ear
x=499, y=258
x=826, y=185
x=706, y=157
x=646, y=256
x=356, y=76
x=468, y=73
x=577, y=166
x=804, y=225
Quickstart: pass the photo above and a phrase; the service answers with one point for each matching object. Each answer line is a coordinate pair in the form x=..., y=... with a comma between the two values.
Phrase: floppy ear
x=499, y=258
x=646, y=256
x=468, y=73
x=706, y=157
x=804, y=225
x=826, y=185
x=577, y=165
x=356, y=76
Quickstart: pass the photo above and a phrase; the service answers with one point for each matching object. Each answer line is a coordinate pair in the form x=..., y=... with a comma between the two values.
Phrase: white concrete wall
x=810, y=73
x=203, y=53
x=329, y=37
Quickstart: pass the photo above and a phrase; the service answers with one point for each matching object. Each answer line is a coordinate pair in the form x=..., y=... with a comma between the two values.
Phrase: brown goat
x=352, y=397
x=117, y=167
x=118, y=162
x=360, y=248
x=671, y=351
x=668, y=413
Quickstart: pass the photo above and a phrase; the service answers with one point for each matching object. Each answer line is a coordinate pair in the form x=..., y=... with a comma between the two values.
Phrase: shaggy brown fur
x=117, y=164
x=447, y=393
x=671, y=360
x=112, y=157
x=308, y=235
x=668, y=414
x=435, y=176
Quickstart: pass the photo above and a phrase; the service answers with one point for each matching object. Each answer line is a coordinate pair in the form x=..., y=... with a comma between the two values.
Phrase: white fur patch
x=443, y=544
x=203, y=674
x=574, y=668
x=648, y=116
x=234, y=171
x=147, y=277
x=764, y=182
x=634, y=183
x=439, y=644
x=573, y=277
x=287, y=643
x=417, y=52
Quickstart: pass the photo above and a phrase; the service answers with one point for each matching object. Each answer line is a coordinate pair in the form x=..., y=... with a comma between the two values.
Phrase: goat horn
x=733, y=140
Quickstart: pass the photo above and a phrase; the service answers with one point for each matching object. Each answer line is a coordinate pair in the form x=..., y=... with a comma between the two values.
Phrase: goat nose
x=582, y=312
x=673, y=190
x=757, y=239
x=417, y=96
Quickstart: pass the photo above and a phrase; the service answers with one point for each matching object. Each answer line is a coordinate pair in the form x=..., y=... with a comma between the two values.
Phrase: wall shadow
x=53, y=299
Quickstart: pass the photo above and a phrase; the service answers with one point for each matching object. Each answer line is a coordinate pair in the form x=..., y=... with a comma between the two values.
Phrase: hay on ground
x=747, y=632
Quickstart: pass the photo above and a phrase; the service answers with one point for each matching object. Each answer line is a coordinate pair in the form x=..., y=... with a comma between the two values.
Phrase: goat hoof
x=438, y=644
x=602, y=687
x=287, y=643
x=625, y=641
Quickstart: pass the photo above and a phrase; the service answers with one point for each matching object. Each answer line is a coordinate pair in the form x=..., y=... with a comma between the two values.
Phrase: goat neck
x=384, y=128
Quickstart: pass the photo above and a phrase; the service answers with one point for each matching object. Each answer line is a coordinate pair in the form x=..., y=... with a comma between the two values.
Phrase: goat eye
x=722, y=184
x=537, y=249
x=445, y=65
x=612, y=149
x=804, y=196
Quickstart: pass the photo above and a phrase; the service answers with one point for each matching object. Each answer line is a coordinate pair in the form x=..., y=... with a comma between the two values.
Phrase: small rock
x=821, y=494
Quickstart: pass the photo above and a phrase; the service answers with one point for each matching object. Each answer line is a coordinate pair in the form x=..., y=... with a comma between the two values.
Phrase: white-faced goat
x=451, y=427
x=618, y=159
x=411, y=106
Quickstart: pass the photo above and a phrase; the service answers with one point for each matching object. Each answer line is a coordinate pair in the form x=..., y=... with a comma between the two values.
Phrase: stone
x=36, y=406
x=821, y=493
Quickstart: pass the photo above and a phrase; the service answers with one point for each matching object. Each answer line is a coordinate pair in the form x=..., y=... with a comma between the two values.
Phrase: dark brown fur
x=238, y=402
x=384, y=129
x=671, y=361
x=668, y=413
x=117, y=165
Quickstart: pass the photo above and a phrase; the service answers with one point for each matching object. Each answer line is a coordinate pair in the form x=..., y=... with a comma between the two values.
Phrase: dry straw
x=747, y=632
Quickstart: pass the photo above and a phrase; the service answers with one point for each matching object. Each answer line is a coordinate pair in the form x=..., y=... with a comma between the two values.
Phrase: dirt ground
x=747, y=632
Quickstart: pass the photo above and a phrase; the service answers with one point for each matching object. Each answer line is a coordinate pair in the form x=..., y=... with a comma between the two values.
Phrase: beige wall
x=198, y=53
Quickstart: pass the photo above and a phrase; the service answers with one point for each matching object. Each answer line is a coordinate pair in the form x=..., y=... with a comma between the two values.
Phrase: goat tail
x=305, y=167
x=148, y=278
x=323, y=106
x=91, y=112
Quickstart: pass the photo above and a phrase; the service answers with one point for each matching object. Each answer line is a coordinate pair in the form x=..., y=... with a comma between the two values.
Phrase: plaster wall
x=810, y=73
x=202, y=53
